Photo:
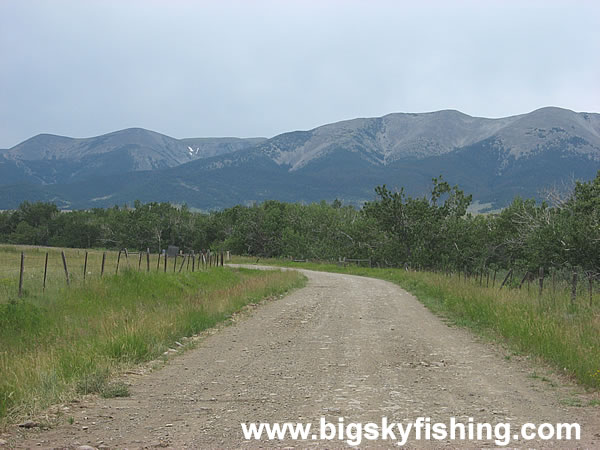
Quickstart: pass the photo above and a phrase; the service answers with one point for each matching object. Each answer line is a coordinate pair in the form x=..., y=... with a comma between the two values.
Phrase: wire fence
x=26, y=269
x=565, y=285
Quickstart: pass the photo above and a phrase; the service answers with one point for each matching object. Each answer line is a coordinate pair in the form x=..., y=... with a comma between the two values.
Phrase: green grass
x=71, y=339
x=566, y=336
x=35, y=262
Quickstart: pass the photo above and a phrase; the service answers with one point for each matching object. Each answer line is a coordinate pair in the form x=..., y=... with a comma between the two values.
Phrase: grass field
x=566, y=336
x=67, y=339
x=35, y=262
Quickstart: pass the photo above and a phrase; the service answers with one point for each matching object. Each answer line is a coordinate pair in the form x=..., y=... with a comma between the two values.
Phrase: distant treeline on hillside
x=431, y=232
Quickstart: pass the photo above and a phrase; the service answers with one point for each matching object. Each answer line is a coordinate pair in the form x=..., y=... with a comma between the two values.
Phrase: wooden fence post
x=182, y=263
x=166, y=257
x=193, y=261
x=541, y=281
x=21, y=274
x=506, y=278
x=526, y=277
x=103, y=261
x=574, y=288
x=140, y=262
x=158, y=261
x=65, y=266
x=118, y=261
x=85, y=265
x=148, y=259
x=174, y=263
x=494, y=280
x=45, y=272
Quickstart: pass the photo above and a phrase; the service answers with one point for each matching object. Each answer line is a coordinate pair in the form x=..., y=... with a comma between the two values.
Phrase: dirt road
x=344, y=346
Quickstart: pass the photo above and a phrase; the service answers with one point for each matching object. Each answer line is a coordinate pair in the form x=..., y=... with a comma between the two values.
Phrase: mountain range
x=493, y=159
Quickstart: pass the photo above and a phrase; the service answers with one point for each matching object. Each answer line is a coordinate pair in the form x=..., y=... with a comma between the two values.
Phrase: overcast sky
x=258, y=68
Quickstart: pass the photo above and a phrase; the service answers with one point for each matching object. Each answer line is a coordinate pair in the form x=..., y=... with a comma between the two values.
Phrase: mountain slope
x=494, y=159
x=398, y=136
x=49, y=159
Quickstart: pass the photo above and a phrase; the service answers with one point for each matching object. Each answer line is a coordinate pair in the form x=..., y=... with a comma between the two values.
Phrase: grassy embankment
x=69, y=339
x=566, y=336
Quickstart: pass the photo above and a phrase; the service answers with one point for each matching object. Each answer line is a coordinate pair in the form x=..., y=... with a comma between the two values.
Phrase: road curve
x=343, y=346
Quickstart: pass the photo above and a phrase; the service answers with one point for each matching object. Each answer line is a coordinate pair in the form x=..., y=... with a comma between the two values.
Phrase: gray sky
x=258, y=68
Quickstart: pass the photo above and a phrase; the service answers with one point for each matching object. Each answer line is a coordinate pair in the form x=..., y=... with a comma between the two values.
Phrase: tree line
x=434, y=231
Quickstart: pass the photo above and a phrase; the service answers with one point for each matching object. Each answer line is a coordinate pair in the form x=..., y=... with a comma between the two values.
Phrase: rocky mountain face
x=494, y=159
x=385, y=140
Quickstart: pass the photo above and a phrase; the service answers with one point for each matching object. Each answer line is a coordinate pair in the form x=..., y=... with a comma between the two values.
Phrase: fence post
x=494, y=280
x=574, y=288
x=85, y=265
x=187, y=267
x=174, y=263
x=45, y=272
x=158, y=260
x=166, y=257
x=541, y=281
x=21, y=274
x=526, y=277
x=103, y=261
x=148, y=259
x=182, y=263
x=65, y=266
x=193, y=261
x=118, y=261
x=506, y=278
x=140, y=262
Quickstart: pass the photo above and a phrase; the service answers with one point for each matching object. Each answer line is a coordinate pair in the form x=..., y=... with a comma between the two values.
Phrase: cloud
x=263, y=67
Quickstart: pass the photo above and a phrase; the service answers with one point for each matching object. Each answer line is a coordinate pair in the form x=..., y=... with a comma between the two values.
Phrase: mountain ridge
x=494, y=159
x=51, y=159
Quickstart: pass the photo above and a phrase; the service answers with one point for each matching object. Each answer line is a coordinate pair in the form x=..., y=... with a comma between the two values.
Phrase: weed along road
x=346, y=348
